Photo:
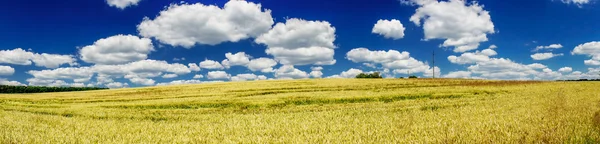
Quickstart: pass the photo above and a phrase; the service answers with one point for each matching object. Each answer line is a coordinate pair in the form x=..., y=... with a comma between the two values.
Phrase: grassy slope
x=314, y=111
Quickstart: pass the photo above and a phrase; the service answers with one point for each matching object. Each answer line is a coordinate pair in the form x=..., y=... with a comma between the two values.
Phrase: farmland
x=311, y=111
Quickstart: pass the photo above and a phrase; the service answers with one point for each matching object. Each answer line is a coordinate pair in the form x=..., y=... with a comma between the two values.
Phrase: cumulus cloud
x=247, y=77
x=141, y=81
x=144, y=68
x=168, y=76
x=194, y=67
x=358, y=55
x=198, y=76
x=316, y=72
x=350, y=73
x=116, y=85
x=139, y=72
x=19, y=56
x=392, y=29
x=463, y=26
x=264, y=65
x=576, y=2
x=76, y=74
x=119, y=49
x=501, y=68
x=237, y=59
x=399, y=62
x=180, y=82
x=544, y=56
x=6, y=70
x=549, y=47
x=472, y=57
x=218, y=75
x=300, y=42
x=290, y=72
x=458, y=74
x=122, y=4
x=210, y=64
x=189, y=24
x=591, y=49
x=11, y=83
x=565, y=69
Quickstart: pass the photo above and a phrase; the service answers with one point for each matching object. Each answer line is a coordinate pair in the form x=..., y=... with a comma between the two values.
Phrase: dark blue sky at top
x=60, y=27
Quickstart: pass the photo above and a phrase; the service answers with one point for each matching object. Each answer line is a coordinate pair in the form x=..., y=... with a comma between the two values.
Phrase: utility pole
x=433, y=68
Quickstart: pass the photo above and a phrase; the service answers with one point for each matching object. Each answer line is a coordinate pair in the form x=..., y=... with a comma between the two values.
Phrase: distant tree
x=362, y=75
x=412, y=77
x=371, y=75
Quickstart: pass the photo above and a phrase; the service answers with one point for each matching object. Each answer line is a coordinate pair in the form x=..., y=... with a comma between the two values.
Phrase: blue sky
x=130, y=43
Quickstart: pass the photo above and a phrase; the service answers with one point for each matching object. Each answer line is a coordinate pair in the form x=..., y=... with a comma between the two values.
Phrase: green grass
x=311, y=111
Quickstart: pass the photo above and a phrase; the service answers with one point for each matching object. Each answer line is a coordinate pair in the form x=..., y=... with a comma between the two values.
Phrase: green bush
x=411, y=77
x=371, y=75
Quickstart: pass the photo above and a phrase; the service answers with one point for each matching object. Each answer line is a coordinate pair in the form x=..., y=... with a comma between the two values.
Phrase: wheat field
x=311, y=111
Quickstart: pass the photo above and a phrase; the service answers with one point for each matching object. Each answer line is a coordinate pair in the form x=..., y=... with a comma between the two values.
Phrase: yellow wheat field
x=311, y=111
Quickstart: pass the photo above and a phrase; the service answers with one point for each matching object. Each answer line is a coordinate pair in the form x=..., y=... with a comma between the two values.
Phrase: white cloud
x=122, y=4
x=77, y=74
x=458, y=74
x=180, y=82
x=142, y=81
x=168, y=76
x=179, y=59
x=316, y=72
x=501, y=68
x=399, y=62
x=544, y=56
x=198, y=76
x=576, y=2
x=303, y=56
x=238, y=59
x=392, y=29
x=300, y=42
x=218, y=75
x=189, y=24
x=429, y=72
x=549, y=47
x=565, y=69
x=19, y=56
x=471, y=58
x=53, y=83
x=463, y=26
x=142, y=67
x=591, y=49
x=6, y=70
x=289, y=72
x=117, y=85
x=350, y=73
x=138, y=72
x=11, y=83
x=53, y=60
x=194, y=67
x=592, y=62
x=246, y=77
x=119, y=49
x=210, y=64
x=264, y=65
x=537, y=66
x=358, y=55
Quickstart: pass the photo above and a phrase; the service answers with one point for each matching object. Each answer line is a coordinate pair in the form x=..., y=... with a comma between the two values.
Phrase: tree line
x=376, y=75
x=43, y=89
